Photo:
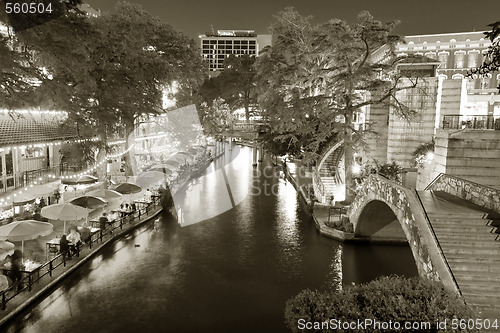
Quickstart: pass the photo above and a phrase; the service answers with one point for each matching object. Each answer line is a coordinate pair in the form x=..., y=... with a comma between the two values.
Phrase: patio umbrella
x=106, y=194
x=167, y=170
x=64, y=212
x=6, y=249
x=89, y=202
x=127, y=188
x=85, y=179
x=150, y=178
x=25, y=230
x=40, y=190
x=23, y=199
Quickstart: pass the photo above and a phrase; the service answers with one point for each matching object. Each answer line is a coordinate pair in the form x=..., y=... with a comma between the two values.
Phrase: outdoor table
x=94, y=223
x=52, y=246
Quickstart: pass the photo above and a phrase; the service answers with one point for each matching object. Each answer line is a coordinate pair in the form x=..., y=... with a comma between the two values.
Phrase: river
x=245, y=245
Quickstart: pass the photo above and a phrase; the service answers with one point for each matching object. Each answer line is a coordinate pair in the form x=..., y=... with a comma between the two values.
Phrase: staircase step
x=473, y=266
x=486, y=236
x=458, y=228
x=469, y=242
x=485, y=258
x=470, y=251
x=478, y=277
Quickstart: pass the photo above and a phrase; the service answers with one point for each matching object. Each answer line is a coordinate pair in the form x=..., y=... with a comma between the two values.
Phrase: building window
x=485, y=81
x=472, y=59
x=443, y=58
x=457, y=76
x=459, y=59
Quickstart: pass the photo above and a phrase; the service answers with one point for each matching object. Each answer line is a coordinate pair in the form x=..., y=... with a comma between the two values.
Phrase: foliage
x=236, y=85
x=216, y=118
x=343, y=224
x=390, y=171
x=107, y=71
x=315, y=78
x=420, y=155
x=386, y=299
x=491, y=60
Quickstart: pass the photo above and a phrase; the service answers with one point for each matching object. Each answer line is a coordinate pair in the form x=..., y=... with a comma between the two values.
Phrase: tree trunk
x=348, y=161
x=130, y=163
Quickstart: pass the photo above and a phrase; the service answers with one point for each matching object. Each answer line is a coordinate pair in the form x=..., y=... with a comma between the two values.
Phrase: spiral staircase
x=328, y=177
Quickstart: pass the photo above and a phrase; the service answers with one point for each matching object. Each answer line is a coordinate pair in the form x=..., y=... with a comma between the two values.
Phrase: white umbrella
x=23, y=199
x=106, y=194
x=40, y=190
x=6, y=249
x=150, y=178
x=64, y=212
x=25, y=230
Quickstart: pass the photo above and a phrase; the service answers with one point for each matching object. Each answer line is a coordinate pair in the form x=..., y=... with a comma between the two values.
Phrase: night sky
x=417, y=17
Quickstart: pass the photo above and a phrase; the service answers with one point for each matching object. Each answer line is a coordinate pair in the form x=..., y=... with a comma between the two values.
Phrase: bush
x=343, y=224
x=392, y=298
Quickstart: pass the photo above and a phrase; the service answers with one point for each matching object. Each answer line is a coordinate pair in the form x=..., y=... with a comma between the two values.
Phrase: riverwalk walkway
x=46, y=277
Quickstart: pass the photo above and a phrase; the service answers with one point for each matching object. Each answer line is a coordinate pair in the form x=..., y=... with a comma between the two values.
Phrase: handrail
x=460, y=179
x=433, y=181
x=437, y=242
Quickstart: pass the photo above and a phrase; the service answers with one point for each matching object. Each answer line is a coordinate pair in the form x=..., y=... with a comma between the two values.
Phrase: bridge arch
x=378, y=221
x=381, y=205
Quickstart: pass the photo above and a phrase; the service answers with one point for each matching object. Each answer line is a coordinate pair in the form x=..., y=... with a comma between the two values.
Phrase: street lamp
x=331, y=204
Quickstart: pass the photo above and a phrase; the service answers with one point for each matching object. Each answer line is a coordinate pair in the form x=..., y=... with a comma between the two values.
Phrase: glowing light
x=356, y=168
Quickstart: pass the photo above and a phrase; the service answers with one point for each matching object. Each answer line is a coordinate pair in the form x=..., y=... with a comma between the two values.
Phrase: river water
x=245, y=246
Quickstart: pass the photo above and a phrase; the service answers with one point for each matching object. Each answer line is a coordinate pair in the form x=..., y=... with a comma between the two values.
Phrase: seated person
x=74, y=240
x=133, y=207
x=85, y=233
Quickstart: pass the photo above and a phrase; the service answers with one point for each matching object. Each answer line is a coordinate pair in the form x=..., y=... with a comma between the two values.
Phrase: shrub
x=386, y=299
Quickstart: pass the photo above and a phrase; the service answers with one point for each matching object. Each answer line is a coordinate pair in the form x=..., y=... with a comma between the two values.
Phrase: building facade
x=216, y=47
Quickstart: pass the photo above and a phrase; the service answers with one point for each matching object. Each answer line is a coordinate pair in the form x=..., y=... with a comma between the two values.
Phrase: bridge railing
x=479, y=194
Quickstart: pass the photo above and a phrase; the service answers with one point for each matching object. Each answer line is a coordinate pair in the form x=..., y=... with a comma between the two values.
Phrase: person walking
x=64, y=247
x=103, y=221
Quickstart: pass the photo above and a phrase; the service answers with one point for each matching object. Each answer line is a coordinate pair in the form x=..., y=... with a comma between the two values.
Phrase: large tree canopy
x=107, y=71
x=491, y=62
x=314, y=79
x=236, y=85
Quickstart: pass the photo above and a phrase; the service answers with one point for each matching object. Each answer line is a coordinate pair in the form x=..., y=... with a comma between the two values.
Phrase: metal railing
x=471, y=122
x=36, y=275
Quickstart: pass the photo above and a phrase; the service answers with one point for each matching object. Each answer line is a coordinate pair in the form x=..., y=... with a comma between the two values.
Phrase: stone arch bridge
x=385, y=210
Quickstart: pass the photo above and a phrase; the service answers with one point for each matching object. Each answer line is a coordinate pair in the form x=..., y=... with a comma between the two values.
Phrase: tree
x=314, y=79
x=215, y=118
x=491, y=60
x=236, y=84
x=387, y=299
x=108, y=71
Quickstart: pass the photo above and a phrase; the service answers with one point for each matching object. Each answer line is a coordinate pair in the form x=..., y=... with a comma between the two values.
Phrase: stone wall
x=481, y=195
x=405, y=135
x=403, y=202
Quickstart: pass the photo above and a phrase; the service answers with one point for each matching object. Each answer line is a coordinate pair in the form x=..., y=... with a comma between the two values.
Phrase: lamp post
x=331, y=204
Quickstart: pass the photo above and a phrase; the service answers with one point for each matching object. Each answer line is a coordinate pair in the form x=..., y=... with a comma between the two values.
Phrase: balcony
x=479, y=122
